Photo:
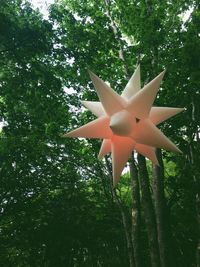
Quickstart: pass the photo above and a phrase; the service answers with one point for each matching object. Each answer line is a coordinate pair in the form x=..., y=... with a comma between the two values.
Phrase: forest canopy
x=58, y=206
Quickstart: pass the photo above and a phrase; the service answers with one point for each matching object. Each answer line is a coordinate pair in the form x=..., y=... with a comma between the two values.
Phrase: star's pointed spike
x=111, y=101
x=141, y=103
x=148, y=152
x=133, y=86
x=98, y=128
x=148, y=134
x=121, y=151
x=105, y=148
x=95, y=107
x=160, y=114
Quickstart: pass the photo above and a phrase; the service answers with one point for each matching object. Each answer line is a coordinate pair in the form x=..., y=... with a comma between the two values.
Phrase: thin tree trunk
x=158, y=180
x=134, y=233
x=117, y=37
x=198, y=222
x=161, y=210
x=136, y=212
x=194, y=162
x=149, y=212
x=197, y=196
x=125, y=221
x=126, y=229
x=150, y=216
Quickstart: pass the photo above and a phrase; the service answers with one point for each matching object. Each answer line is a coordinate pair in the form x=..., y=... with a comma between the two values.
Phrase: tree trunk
x=194, y=161
x=117, y=37
x=197, y=198
x=125, y=221
x=158, y=175
x=161, y=211
x=126, y=226
x=198, y=222
x=136, y=212
x=133, y=234
x=149, y=212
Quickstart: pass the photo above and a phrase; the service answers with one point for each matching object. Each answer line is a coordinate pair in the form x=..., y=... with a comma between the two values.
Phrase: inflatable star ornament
x=127, y=122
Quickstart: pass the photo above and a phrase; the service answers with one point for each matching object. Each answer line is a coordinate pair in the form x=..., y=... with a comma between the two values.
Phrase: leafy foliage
x=57, y=205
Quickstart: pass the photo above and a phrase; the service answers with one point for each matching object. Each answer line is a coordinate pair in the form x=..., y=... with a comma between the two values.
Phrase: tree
x=58, y=205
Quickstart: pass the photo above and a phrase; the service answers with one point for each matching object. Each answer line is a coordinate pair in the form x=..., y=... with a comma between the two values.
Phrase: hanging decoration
x=127, y=122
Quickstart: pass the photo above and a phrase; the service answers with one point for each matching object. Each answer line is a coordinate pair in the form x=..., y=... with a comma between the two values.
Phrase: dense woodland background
x=57, y=204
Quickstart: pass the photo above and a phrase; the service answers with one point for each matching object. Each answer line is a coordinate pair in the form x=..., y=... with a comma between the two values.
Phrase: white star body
x=127, y=122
